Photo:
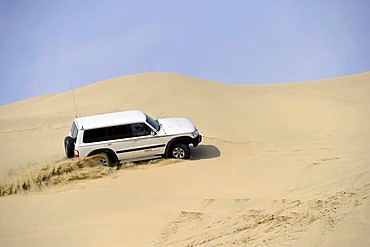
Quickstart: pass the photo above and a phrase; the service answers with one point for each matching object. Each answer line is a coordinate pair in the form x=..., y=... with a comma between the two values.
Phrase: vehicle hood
x=173, y=126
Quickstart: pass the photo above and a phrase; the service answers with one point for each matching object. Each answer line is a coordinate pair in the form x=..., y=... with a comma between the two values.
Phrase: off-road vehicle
x=130, y=136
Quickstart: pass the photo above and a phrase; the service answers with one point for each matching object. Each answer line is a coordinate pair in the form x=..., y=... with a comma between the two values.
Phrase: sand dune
x=280, y=165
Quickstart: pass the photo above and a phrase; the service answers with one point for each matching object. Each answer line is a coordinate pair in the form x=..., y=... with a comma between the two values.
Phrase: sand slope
x=280, y=165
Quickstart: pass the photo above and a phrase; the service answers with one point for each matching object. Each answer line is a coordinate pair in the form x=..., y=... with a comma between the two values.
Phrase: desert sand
x=279, y=165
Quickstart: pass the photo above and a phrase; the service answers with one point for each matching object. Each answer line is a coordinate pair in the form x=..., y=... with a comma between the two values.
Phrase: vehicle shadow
x=202, y=152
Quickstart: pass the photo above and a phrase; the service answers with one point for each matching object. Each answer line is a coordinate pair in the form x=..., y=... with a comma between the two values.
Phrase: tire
x=109, y=155
x=102, y=159
x=180, y=151
x=69, y=147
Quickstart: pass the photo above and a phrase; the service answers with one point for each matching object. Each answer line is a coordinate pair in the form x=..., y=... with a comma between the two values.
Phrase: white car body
x=131, y=136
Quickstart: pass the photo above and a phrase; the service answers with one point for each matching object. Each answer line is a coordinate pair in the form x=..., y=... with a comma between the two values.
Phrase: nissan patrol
x=130, y=136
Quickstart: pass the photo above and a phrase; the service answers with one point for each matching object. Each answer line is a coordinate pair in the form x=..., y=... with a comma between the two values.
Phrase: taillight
x=77, y=154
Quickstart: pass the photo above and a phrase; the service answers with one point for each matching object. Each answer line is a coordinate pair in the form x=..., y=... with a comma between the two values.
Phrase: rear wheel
x=180, y=151
x=101, y=159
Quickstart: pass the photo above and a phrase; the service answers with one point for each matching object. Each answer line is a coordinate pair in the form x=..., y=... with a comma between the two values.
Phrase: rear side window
x=107, y=133
x=97, y=135
x=121, y=132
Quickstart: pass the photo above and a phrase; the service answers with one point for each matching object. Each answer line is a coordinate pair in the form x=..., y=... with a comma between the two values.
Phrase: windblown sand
x=280, y=165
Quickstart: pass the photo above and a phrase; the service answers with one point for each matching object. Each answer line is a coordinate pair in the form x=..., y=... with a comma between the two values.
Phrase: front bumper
x=197, y=140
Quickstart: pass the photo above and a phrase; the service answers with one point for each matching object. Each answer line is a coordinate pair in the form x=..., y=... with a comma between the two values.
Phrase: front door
x=145, y=145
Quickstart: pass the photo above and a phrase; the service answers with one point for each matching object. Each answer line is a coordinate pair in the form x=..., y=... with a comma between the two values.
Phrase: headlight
x=195, y=133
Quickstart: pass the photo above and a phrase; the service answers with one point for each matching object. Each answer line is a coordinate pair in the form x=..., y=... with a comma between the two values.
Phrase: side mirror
x=152, y=133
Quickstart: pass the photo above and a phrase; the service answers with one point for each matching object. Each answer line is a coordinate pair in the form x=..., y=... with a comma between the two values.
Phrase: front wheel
x=180, y=151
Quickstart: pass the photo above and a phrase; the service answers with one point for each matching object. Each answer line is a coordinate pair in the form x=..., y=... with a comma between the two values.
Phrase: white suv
x=130, y=136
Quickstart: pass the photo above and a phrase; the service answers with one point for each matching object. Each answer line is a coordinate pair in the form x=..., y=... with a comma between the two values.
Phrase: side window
x=140, y=129
x=74, y=131
x=121, y=132
x=98, y=135
x=107, y=133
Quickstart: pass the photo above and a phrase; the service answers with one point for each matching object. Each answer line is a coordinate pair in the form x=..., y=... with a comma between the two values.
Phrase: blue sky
x=46, y=44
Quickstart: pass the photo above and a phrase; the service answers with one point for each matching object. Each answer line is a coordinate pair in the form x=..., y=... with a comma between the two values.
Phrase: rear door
x=145, y=145
x=121, y=142
x=116, y=138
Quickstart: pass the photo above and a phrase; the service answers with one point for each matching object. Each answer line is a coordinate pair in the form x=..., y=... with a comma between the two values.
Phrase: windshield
x=152, y=122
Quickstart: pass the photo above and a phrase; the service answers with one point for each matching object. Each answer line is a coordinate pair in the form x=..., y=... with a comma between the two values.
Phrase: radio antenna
x=74, y=100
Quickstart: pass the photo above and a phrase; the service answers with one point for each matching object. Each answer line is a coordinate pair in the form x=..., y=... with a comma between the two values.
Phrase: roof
x=110, y=119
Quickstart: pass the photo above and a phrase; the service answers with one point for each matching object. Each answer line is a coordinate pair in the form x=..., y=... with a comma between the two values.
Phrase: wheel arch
x=111, y=154
x=183, y=139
